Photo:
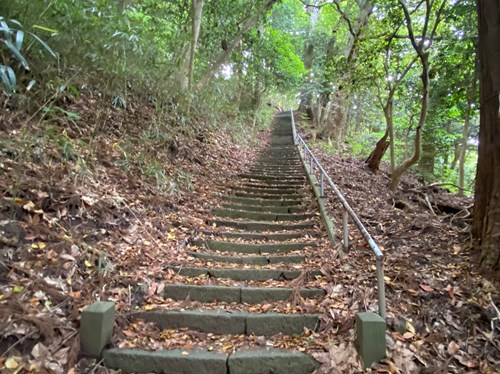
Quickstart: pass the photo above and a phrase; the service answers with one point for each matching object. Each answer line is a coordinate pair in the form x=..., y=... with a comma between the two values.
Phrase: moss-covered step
x=260, y=176
x=256, y=361
x=248, y=295
x=243, y=274
x=271, y=184
x=271, y=361
x=268, y=190
x=263, y=226
x=262, y=202
x=222, y=246
x=281, y=172
x=252, y=195
x=255, y=235
x=232, y=322
x=260, y=216
x=268, y=209
x=249, y=260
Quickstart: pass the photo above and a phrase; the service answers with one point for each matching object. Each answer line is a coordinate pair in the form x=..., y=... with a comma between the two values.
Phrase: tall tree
x=486, y=221
x=421, y=44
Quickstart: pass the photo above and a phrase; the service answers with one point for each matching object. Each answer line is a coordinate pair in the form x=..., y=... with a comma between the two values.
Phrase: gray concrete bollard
x=370, y=337
x=96, y=327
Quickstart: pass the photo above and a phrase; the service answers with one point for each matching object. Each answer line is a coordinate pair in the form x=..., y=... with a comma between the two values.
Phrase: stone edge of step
x=201, y=361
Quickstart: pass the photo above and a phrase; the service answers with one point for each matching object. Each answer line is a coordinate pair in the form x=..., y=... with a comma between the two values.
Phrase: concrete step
x=222, y=246
x=243, y=274
x=278, y=172
x=270, y=209
x=279, y=164
x=270, y=160
x=263, y=226
x=260, y=216
x=251, y=195
x=249, y=260
x=247, y=295
x=261, y=202
x=255, y=235
x=278, y=156
x=232, y=322
x=278, y=169
x=267, y=190
x=281, y=140
x=281, y=179
x=271, y=184
x=179, y=361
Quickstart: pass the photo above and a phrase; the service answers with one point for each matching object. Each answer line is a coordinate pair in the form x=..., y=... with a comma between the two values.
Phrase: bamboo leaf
x=17, y=54
x=43, y=28
x=8, y=78
x=19, y=39
x=45, y=45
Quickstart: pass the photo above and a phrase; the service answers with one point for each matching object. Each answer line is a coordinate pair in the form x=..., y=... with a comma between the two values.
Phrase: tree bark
x=196, y=11
x=417, y=148
x=373, y=161
x=336, y=123
x=465, y=133
x=486, y=218
x=224, y=55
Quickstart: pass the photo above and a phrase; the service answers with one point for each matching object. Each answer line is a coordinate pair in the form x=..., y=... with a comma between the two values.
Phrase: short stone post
x=370, y=338
x=96, y=327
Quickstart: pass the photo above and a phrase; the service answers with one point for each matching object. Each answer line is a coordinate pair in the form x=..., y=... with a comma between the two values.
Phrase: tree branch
x=344, y=16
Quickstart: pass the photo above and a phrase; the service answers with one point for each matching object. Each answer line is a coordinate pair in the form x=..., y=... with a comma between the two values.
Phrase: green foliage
x=13, y=50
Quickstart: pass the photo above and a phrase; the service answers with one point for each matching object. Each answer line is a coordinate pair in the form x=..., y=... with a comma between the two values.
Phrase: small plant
x=186, y=179
x=13, y=38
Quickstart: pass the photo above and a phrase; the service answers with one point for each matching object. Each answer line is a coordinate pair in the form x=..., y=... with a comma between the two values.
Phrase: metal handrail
x=310, y=159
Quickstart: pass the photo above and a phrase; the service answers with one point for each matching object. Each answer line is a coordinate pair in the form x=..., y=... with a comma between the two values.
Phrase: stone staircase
x=264, y=231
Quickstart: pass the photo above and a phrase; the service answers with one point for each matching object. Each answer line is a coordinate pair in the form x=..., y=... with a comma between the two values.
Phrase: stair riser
x=297, y=197
x=250, y=260
x=258, y=226
x=262, y=202
x=247, y=295
x=269, y=209
x=274, y=178
x=259, y=216
x=237, y=323
x=270, y=191
x=256, y=236
x=240, y=362
x=256, y=248
x=287, y=186
x=243, y=274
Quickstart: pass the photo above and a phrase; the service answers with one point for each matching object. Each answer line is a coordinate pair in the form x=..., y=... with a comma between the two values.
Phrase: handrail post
x=294, y=130
x=311, y=166
x=382, y=310
x=322, y=186
x=346, y=229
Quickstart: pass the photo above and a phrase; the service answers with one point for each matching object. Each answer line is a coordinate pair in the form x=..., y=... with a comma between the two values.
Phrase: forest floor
x=87, y=213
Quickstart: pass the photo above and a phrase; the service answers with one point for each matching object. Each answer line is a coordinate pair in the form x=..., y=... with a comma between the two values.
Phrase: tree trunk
x=465, y=133
x=456, y=155
x=305, y=105
x=417, y=149
x=336, y=124
x=196, y=11
x=378, y=153
x=224, y=55
x=486, y=219
x=426, y=163
x=373, y=161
